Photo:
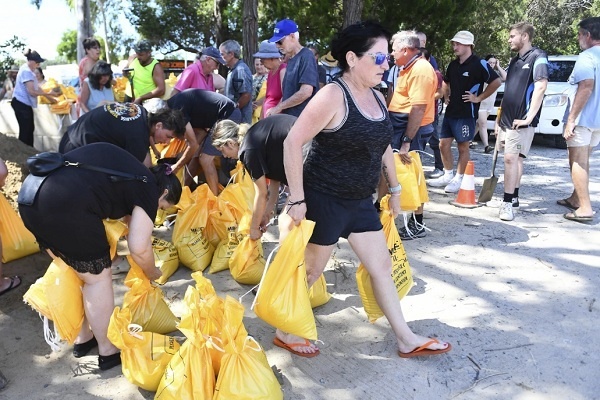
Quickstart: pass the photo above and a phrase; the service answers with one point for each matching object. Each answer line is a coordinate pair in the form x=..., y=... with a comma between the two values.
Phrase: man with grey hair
x=200, y=75
x=239, y=79
x=301, y=80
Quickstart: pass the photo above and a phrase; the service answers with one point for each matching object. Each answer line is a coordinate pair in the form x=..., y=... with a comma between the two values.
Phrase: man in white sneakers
x=463, y=86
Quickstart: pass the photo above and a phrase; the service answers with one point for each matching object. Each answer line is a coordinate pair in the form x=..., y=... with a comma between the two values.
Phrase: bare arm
x=244, y=100
x=85, y=96
x=415, y=117
x=539, y=88
x=489, y=90
x=32, y=91
x=261, y=198
x=158, y=76
x=300, y=96
x=140, y=243
x=388, y=170
x=584, y=91
x=188, y=153
x=446, y=92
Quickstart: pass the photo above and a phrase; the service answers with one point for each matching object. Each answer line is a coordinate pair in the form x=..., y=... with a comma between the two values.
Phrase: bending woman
x=260, y=148
x=351, y=132
x=66, y=219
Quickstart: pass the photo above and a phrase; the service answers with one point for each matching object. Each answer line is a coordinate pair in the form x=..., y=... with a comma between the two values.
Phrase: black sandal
x=81, y=349
x=107, y=362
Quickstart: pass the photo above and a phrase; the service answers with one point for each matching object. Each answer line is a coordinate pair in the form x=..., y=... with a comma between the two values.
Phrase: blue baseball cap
x=282, y=29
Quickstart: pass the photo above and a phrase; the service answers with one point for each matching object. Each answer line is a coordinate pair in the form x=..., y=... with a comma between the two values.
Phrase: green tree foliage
x=8, y=48
x=67, y=48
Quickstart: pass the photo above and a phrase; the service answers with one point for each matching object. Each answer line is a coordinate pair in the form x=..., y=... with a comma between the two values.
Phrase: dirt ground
x=517, y=300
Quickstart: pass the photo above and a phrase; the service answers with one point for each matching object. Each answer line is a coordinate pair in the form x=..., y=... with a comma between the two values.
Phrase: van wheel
x=560, y=142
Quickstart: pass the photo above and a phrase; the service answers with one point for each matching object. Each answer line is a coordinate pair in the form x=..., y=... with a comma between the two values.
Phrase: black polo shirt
x=467, y=77
x=202, y=108
x=521, y=76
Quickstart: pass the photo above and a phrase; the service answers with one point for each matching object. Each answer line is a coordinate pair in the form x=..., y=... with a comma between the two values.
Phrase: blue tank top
x=346, y=161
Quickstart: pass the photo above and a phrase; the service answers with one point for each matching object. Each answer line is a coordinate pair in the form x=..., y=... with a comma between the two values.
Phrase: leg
x=463, y=157
x=98, y=303
x=579, y=162
x=446, y=152
x=372, y=251
x=316, y=258
x=24, y=115
x=482, y=127
x=207, y=162
x=511, y=172
x=434, y=143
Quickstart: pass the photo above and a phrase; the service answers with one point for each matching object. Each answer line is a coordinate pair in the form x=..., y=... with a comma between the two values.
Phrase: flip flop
x=291, y=346
x=566, y=203
x=574, y=217
x=424, y=351
x=12, y=284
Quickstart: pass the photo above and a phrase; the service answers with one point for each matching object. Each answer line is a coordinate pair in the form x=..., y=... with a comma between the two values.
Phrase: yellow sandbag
x=144, y=355
x=247, y=262
x=203, y=285
x=282, y=299
x=163, y=215
x=193, y=247
x=165, y=257
x=147, y=304
x=220, y=219
x=115, y=230
x=401, y=273
x=57, y=296
x=240, y=176
x=225, y=249
x=410, y=199
x=420, y=175
x=317, y=293
x=17, y=241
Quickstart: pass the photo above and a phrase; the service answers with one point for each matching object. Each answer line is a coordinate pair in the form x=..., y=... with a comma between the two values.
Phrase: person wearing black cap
x=25, y=96
x=148, y=78
x=200, y=75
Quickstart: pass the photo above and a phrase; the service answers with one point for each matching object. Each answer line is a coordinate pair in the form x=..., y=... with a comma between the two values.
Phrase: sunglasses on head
x=379, y=58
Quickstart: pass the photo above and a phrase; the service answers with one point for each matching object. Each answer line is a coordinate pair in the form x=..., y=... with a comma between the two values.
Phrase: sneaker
x=488, y=149
x=515, y=202
x=454, y=185
x=436, y=173
x=506, y=212
x=442, y=180
x=412, y=230
x=471, y=145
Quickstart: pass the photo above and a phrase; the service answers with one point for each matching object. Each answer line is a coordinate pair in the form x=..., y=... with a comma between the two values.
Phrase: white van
x=555, y=99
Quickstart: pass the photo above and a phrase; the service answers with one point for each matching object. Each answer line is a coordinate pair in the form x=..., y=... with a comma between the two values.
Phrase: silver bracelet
x=395, y=189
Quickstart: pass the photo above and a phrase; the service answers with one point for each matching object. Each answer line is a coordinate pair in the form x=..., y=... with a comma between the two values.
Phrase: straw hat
x=329, y=61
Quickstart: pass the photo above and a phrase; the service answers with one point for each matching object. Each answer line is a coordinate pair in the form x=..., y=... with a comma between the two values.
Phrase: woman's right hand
x=297, y=212
x=153, y=274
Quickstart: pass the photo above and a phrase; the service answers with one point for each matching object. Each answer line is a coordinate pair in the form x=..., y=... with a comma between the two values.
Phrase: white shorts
x=584, y=136
x=515, y=141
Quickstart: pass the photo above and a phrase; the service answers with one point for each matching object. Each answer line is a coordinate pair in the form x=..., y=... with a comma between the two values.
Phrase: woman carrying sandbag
x=66, y=218
x=260, y=148
x=350, y=130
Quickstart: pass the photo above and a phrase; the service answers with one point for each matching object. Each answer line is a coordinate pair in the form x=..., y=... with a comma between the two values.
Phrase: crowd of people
x=329, y=141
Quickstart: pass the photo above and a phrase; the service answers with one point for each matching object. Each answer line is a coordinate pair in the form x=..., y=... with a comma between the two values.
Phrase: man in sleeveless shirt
x=147, y=77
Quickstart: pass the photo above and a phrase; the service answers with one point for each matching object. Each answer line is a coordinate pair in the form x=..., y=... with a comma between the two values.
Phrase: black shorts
x=335, y=217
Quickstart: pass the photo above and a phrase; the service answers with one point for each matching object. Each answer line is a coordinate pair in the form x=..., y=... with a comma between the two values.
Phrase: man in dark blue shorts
x=463, y=86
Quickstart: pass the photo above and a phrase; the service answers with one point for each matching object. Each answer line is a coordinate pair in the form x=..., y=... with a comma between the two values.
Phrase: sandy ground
x=519, y=302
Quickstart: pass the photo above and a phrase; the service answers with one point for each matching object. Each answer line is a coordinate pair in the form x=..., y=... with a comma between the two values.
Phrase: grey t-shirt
x=239, y=81
x=301, y=69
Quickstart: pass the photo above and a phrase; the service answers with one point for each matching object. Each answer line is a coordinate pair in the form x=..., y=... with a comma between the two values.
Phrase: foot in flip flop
x=566, y=203
x=425, y=351
x=578, y=218
x=295, y=345
x=15, y=281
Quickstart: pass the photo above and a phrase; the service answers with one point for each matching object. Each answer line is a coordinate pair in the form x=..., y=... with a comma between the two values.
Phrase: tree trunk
x=106, y=40
x=220, y=28
x=84, y=26
x=352, y=11
x=250, y=32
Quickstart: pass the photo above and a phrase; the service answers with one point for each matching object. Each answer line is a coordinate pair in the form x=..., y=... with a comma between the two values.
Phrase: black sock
x=508, y=197
x=516, y=194
x=419, y=218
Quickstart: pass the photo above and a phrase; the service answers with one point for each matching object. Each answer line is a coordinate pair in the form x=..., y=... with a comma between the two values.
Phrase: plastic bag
x=147, y=303
x=401, y=272
x=58, y=297
x=193, y=247
x=144, y=355
x=318, y=294
x=115, y=230
x=166, y=258
x=410, y=199
x=17, y=241
x=247, y=262
x=225, y=249
x=420, y=176
x=282, y=298
x=240, y=176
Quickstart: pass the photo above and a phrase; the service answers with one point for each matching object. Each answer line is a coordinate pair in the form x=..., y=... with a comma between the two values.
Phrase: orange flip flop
x=424, y=351
x=291, y=346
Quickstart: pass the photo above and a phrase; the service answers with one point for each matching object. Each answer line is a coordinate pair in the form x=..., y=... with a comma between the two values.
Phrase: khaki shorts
x=515, y=141
x=584, y=136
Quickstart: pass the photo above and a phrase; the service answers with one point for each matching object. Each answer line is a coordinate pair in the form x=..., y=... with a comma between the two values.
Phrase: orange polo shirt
x=416, y=85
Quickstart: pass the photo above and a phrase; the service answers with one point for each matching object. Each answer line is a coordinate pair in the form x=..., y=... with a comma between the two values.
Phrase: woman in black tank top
x=350, y=131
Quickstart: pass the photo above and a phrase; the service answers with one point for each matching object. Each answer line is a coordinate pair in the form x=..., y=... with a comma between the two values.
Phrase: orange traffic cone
x=466, y=194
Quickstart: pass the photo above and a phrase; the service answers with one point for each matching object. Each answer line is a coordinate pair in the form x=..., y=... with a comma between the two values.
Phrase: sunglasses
x=380, y=58
x=280, y=41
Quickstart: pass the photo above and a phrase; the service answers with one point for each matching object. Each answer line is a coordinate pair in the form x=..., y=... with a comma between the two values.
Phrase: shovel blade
x=487, y=190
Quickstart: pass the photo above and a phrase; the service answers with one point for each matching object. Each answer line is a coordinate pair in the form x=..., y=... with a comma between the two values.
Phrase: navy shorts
x=335, y=217
x=461, y=129
x=399, y=123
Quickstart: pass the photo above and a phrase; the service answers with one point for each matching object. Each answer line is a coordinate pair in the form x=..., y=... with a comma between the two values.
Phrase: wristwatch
x=406, y=139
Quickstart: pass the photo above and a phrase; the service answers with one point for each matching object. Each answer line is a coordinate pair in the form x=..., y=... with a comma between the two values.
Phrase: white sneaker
x=441, y=181
x=454, y=185
x=506, y=212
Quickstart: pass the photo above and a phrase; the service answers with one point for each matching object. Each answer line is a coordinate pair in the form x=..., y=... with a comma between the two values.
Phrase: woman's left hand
x=153, y=274
x=394, y=204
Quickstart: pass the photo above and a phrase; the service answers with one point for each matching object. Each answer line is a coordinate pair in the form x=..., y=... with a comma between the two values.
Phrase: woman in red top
x=271, y=58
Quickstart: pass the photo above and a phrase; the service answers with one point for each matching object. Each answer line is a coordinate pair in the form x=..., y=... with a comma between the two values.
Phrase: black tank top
x=346, y=161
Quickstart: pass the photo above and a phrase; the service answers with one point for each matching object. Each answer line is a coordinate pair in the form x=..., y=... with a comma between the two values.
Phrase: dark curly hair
x=172, y=120
x=358, y=38
x=100, y=69
x=165, y=179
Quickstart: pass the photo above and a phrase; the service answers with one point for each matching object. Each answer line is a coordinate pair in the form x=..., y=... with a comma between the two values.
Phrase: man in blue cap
x=301, y=80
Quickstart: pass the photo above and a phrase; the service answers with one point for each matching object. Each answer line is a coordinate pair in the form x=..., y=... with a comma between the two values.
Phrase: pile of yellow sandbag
x=119, y=88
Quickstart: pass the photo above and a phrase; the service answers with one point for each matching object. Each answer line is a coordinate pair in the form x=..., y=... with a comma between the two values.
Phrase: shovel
x=489, y=184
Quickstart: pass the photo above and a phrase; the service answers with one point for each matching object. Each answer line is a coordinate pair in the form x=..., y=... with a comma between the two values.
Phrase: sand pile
x=15, y=154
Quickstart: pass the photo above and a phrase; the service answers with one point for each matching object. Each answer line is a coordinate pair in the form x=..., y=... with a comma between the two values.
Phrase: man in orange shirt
x=412, y=109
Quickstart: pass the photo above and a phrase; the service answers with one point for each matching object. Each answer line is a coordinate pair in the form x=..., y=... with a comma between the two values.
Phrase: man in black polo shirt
x=526, y=81
x=464, y=80
x=201, y=110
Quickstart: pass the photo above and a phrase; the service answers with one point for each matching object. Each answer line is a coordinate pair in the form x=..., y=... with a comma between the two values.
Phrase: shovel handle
x=494, y=159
